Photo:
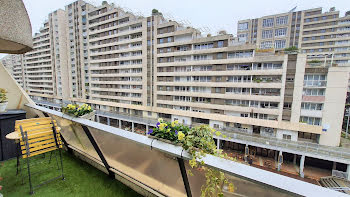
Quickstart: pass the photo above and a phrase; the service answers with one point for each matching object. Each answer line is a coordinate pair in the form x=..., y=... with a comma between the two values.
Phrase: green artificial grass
x=81, y=179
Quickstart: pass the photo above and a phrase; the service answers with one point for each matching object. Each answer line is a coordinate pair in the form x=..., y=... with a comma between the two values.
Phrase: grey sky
x=215, y=15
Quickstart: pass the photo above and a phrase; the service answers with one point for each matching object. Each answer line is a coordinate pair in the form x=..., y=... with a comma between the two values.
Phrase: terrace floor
x=81, y=179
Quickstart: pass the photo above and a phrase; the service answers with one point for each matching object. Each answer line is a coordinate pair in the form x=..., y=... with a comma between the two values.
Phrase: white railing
x=263, y=178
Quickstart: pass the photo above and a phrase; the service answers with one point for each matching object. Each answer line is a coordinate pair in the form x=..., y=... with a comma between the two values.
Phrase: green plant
x=199, y=142
x=292, y=48
x=257, y=80
x=76, y=110
x=3, y=97
x=168, y=130
x=314, y=61
x=156, y=12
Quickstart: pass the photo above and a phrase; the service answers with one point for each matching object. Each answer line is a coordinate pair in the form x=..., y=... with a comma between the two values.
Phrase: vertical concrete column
x=348, y=171
x=120, y=124
x=301, y=168
x=147, y=128
x=295, y=159
x=97, y=118
x=276, y=153
x=334, y=165
x=246, y=153
x=132, y=126
x=280, y=161
x=218, y=144
x=108, y=121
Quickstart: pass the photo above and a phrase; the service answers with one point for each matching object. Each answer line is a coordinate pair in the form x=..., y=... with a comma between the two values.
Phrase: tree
x=156, y=12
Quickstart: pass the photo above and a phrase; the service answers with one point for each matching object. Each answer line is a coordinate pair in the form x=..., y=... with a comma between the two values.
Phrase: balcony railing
x=144, y=161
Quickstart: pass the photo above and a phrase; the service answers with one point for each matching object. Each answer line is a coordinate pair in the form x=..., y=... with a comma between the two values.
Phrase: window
x=280, y=32
x=243, y=26
x=312, y=106
x=242, y=37
x=266, y=45
x=219, y=56
x=280, y=44
x=220, y=44
x=282, y=20
x=287, y=137
x=310, y=120
x=314, y=92
x=169, y=39
x=268, y=22
x=266, y=34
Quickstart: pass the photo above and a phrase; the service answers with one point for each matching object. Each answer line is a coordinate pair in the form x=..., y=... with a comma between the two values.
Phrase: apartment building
x=77, y=45
x=213, y=80
x=14, y=64
x=118, y=48
x=45, y=67
x=152, y=67
x=323, y=36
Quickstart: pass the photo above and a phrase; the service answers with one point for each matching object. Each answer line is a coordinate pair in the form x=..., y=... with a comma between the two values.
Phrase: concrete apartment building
x=14, y=63
x=45, y=67
x=151, y=67
x=77, y=45
x=322, y=36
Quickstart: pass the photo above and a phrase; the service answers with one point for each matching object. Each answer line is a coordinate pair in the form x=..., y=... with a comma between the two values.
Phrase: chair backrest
x=38, y=135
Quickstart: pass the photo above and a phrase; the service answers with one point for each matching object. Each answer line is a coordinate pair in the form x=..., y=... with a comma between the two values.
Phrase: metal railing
x=340, y=174
x=302, y=148
x=117, y=149
x=310, y=149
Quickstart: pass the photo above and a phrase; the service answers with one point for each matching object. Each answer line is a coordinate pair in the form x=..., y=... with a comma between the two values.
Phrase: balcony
x=148, y=166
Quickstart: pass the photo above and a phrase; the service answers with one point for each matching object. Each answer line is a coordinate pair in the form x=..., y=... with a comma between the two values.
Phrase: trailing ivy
x=197, y=141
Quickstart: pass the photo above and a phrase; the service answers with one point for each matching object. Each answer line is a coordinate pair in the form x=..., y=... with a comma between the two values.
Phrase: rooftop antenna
x=292, y=10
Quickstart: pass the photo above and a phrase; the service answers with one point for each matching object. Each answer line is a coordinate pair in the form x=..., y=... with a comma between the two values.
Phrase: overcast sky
x=212, y=15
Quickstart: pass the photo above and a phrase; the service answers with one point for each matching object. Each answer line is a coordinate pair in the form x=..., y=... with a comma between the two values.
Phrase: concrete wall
x=333, y=110
x=17, y=97
x=217, y=123
x=298, y=88
x=293, y=134
x=182, y=119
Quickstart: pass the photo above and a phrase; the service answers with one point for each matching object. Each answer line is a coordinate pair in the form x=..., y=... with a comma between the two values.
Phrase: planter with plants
x=197, y=141
x=291, y=50
x=3, y=100
x=84, y=111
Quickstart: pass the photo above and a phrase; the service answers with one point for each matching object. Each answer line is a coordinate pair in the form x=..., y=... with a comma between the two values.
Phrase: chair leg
x=59, y=150
x=58, y=166
x=17, y=165
x=30, y=180
x=50, y=157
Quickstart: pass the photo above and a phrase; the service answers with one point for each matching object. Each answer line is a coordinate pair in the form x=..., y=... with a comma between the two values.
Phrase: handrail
x=270, y=179
x=309, y=149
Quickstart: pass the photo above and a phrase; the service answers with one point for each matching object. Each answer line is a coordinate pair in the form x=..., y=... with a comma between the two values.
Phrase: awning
x=15, y=28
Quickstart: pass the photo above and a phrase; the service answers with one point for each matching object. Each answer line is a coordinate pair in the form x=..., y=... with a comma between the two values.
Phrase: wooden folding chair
x=39, y=136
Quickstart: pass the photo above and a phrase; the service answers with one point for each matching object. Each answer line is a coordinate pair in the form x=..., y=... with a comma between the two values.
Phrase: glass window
x=280, y=44
x=220, y=44
x=219, y=56
x=266, y=45
x=266, y=34
x=281, y=32
x=282, y=20
x=243, y=26
x=268, y=22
